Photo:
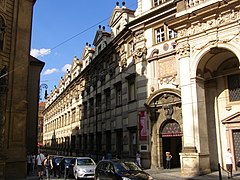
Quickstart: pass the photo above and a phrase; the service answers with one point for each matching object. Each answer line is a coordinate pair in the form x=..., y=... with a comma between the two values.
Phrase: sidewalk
x=172, y=174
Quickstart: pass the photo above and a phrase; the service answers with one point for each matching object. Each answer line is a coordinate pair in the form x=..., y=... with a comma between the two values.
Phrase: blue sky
x=61, y=29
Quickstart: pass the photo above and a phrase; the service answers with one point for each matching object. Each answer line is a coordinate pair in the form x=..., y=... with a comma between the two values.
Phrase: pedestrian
x=229, y=162
x=168, y=160
x=138, y=159
x=29, y=161
x=33, y=162
x=40, y=159
x=48, y=166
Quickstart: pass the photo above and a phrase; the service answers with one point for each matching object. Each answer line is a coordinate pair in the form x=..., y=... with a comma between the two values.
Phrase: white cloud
x=50, y=71
x=40, y=52
x=65, y=67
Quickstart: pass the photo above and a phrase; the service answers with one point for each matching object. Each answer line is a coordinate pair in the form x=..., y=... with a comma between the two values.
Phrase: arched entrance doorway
x=171, y=135
x=164, y=110
x=218, y=75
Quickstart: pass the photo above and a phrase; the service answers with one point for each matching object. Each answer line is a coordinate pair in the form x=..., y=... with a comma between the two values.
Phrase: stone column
x=189, y=156
x=186, y=95
x=200, y=121
x=195, y=153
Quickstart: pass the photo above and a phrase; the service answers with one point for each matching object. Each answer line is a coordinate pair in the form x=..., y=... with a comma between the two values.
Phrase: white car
x=82, y=167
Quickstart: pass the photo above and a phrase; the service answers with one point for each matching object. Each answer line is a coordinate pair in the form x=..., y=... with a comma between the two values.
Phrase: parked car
x=56, y=165
x=82, y=167
x=64, y=165
x=119, y=169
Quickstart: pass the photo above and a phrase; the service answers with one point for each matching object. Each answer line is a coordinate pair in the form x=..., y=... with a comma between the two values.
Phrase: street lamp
x=43, y=86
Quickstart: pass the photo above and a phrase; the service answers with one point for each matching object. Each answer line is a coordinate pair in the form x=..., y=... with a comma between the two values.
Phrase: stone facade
x=166, y=78
x=18, y=88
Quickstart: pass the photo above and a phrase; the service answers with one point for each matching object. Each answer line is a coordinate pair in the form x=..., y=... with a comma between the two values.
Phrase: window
x=108, y=99
x=108, y=141
x=99, y=48
x=118, y=30
x=74, y=115
x=131, y=87
x=171, y=34
x=118, y=89
x=91, y=107
x=159, y=34
x=158, y=2
x=234, y=87
x=99, y=103
x=163, y=33
x=85, y=110
x=91, y=141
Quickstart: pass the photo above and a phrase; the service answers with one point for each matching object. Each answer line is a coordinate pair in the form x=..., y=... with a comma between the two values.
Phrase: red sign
x=142, y=124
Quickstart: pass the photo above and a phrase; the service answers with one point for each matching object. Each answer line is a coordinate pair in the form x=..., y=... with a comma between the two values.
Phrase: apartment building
x=165, y=78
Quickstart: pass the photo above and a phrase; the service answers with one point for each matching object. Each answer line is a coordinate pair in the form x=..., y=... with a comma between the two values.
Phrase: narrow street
x=167, y=174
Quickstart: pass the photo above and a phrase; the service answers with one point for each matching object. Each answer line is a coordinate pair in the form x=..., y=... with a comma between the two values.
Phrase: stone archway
x=164, y=106
x=216, y=72
x=171, y=135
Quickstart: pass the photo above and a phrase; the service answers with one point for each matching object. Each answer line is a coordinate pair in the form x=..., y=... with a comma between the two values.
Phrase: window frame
x=165, y=33
x=231, y=98
x=118, y=94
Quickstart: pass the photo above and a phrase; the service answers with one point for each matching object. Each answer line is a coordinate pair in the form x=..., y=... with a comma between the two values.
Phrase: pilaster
x=195, y=154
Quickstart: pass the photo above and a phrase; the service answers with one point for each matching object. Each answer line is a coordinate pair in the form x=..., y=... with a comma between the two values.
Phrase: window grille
x=234, y=87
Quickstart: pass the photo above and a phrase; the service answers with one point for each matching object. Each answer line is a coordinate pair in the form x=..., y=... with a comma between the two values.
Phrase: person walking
x=29, y=161
x=33, y=162
x=138, y=159
x=229, y=162
x=48, y=166
x=168, y=160
x=40, y=159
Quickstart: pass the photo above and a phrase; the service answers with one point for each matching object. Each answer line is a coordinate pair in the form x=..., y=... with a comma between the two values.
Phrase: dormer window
x=99, y=48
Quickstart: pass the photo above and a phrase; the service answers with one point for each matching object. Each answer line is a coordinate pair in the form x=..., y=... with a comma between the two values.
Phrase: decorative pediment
x=100, y=34
x=115, y=16
x=120, y=13
x=88, y=51
x=235, y=118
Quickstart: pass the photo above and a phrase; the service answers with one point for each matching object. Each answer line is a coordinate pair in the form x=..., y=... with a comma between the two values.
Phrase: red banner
x=142, y=124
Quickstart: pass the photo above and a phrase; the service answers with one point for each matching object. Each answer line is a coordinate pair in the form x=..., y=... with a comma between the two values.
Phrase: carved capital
x=183, y=50
x=140, y=52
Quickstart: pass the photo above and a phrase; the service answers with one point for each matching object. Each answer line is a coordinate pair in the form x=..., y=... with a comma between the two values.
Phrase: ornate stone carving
x=140, y=52
x=221, y=20
x=183, y=50
x=139, y=35
x=123, y=63
x=168, y=111
x=167, y=70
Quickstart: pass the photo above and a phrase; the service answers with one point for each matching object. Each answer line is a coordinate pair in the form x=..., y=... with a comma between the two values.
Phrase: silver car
x=82, y=167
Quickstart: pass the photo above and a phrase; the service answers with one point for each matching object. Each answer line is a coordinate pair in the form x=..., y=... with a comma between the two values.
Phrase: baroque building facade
x=19, y=87
x=165, y=78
